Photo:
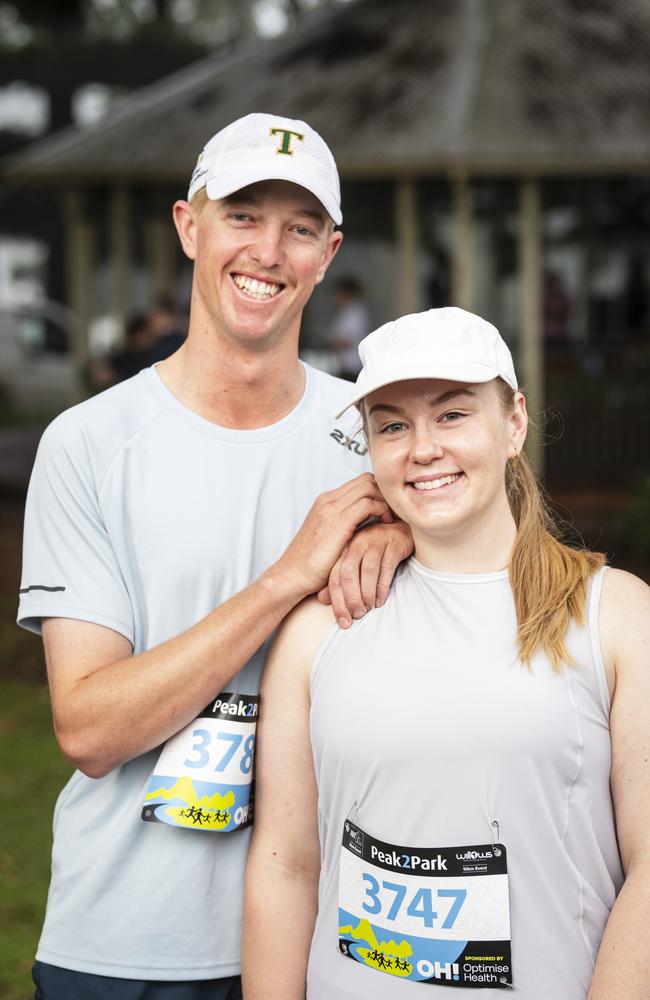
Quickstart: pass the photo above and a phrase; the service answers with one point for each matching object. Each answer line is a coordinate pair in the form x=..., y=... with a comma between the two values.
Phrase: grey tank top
x=424, y=716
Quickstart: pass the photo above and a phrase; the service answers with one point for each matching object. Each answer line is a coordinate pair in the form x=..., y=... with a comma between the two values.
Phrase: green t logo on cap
x=285, y=145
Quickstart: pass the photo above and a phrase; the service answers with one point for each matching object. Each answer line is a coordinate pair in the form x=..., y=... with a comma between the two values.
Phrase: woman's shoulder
x=624, y=616
x=624, y=594
x=309, y=618
x=300, y=635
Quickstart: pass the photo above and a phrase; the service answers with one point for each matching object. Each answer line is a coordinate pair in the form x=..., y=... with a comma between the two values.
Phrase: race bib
x=437, y=915
x=203, y=777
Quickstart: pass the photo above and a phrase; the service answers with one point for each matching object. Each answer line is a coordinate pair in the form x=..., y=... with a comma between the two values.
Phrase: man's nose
x=267, y=247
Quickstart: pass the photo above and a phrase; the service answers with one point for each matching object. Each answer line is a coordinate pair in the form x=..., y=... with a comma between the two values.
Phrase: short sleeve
x=70, y=569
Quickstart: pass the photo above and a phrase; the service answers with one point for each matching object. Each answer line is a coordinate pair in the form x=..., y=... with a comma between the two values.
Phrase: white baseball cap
x=268, y=148
x=447, y=343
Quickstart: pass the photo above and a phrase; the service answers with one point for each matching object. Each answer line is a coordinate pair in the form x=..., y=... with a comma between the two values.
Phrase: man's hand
x=361, y=577
x=329, y=526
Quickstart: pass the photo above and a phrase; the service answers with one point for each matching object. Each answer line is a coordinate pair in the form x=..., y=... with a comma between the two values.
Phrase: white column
x=408, y=294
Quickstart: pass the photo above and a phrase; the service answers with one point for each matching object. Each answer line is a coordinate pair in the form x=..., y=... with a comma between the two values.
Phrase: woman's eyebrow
x=451, y=394
x=444, y=397
x=384, y=406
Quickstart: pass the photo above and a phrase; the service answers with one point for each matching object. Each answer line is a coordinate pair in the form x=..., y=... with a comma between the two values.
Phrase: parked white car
x=37, y=367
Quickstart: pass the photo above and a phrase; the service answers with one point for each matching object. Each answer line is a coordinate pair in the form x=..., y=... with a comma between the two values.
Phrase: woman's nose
x=425, y=446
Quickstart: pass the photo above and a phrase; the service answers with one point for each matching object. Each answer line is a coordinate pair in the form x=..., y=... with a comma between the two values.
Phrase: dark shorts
x=53, y=983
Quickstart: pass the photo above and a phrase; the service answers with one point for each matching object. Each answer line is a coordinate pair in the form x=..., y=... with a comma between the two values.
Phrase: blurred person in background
x=457, y=826
x=163, y=545
x=127, y=360
x=148, y=338
x=351, y=324
x=167, y=332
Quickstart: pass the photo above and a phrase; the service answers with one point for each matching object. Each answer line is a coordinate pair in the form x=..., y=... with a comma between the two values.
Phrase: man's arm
x=623, y=966
x=110, y=706
x=284, y=862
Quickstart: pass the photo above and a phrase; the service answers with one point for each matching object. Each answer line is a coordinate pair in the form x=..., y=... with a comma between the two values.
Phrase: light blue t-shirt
x=143, y=517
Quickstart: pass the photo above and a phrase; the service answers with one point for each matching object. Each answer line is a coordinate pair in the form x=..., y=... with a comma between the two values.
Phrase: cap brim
x=234, y=180
x=453, y=371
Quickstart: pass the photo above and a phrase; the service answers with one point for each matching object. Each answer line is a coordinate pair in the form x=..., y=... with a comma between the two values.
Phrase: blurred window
x=39, y=335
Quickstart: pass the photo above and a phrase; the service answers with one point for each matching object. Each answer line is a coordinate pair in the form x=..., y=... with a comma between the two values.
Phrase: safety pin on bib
x=495, y=838
x=352, y=815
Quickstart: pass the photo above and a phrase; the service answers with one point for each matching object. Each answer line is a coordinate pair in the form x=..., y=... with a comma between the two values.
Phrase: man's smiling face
x=257, y=256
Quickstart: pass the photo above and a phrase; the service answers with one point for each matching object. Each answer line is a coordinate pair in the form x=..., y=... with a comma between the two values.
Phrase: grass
x=32, y=772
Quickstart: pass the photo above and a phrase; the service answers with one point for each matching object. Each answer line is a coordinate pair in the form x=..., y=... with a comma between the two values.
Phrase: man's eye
x=241, y=217
x=303, y=231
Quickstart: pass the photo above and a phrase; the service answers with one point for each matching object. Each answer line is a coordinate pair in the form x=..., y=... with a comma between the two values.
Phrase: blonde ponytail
x=548, y=578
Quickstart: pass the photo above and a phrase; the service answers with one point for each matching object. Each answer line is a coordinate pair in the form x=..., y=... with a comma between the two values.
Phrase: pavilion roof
x=418, y=87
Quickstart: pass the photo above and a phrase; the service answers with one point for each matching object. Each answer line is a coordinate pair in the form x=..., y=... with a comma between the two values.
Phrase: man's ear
x=185, y=220
x=333, y=243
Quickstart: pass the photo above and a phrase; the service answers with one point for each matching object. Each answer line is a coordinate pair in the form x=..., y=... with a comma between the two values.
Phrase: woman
x=434, y=784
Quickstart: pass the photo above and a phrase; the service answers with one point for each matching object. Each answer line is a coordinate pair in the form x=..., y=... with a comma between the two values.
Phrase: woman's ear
x=518, y=428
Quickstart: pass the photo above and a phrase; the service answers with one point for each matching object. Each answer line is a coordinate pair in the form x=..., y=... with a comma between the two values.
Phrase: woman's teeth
x=435, y=484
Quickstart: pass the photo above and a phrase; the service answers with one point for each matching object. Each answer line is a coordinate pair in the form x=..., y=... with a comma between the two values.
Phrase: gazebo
x=448, y=90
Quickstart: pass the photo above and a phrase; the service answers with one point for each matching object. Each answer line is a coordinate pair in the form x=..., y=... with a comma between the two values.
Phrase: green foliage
x=32, y=772
x=28, y=22
x=638, y=520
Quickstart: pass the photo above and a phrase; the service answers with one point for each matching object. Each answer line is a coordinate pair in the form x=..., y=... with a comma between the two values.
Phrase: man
x=158, y=558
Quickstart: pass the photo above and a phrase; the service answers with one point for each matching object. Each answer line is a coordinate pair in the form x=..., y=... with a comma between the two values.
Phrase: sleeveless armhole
x=335, y=632
x=595, y=591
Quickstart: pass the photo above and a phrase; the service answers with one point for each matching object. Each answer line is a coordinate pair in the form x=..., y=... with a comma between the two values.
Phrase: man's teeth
x=260, y=289
x=435, y=484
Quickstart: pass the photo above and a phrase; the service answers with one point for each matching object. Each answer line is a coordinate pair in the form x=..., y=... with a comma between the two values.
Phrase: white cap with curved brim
x=447, y=343
x=268, y=148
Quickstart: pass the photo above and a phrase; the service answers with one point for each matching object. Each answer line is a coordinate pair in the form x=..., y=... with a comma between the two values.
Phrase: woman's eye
x=452, y=415
x=391, y=428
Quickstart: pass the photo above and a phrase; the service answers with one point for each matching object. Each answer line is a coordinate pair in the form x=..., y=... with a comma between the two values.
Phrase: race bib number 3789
x=203, y=777
x=438, y=916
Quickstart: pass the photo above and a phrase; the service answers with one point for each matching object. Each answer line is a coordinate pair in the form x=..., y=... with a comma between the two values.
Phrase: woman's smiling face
x=439, y=451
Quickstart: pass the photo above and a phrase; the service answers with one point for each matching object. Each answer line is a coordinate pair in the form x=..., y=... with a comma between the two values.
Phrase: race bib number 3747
x=438, y=916
x=203, y=777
